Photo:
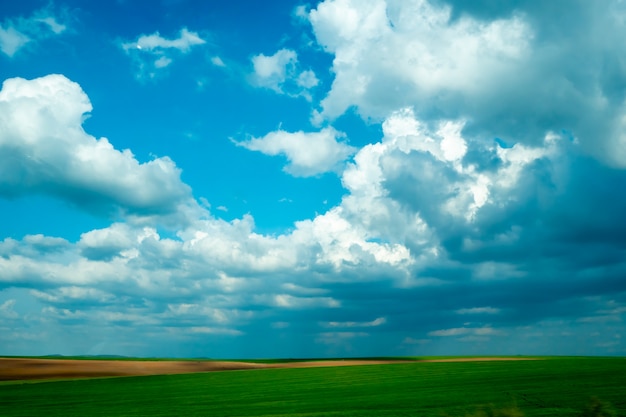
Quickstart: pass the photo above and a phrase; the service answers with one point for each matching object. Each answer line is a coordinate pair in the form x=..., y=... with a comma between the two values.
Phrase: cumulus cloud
x=45, y=150
x=402, y=232
x=446, y=233
x=18, y=32
x=504, y=71
x=281, y=72
x=152, y=53
x=424, y=53
x=308, y=153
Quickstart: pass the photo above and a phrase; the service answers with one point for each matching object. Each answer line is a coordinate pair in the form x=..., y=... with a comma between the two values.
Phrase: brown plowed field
x=26, y=368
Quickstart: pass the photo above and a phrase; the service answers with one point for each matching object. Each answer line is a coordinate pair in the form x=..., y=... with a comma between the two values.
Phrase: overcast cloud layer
x=481, y=213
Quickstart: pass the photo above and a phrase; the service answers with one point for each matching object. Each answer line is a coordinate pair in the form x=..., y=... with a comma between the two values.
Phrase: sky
x=185, y=178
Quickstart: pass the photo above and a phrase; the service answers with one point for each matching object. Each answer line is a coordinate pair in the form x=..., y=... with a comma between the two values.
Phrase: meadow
x=546, y=387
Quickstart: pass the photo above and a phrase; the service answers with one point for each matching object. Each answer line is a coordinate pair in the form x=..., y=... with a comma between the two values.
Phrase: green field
x=550, y=387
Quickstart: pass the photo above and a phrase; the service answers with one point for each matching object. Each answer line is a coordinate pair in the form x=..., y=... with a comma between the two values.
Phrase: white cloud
x=496, y=270
x=151, y=53
x=155, y=42
x=345, y=243
x=425, y=206
x=11, y=40
x=162, y=62
x=271, y=71
x=45, y=150
x=18, y=32
x=301, y=12
x=463, y=331
x=377, y=230
x=281, y=72
x=432, y=161
x=392, y=54
x=505, y=74
x=52, y=23
x=215, y=330
x=217, y=61
x=6, y=310
x=290, y=301
x=374, y=323
x=74, y=294
x=307, y=79
x=308, y=153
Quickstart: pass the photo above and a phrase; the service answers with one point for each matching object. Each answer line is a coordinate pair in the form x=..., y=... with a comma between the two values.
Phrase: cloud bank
x=432, y=226
x=488, y=214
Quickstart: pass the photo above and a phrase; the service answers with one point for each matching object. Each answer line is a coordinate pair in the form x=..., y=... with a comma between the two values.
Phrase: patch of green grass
x=556, y=387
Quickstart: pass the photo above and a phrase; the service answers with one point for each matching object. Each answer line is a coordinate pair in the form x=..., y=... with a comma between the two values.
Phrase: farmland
x=547, y=387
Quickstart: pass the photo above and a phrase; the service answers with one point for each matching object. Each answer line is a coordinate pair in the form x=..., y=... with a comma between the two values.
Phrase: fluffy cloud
x=308, y=154
x=151, y=53
x=433, y=224
x=44, y=149
x=222, y=278
x=505, y=73
x=397, y=53
x=16, y=33
x=281, y=72
x=444, y=234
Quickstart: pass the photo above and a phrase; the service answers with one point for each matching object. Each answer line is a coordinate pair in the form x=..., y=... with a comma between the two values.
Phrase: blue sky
x=341, y=178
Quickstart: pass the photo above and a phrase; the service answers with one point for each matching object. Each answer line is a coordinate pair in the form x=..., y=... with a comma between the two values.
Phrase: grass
x=552, y=387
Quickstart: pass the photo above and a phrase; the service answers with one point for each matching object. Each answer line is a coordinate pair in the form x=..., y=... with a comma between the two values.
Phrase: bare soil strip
x=28, y=369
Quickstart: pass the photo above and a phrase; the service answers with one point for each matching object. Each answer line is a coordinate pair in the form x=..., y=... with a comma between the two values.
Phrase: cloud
x=459, y=331
x=215, y=330
x=217, y=61
x=290, y=301
x=6, y=310
x=281, y=72
x=374, y=323
x=432, y=221
x=500, y=68
x=424, y=53
x=152, y=53
x=44, y=150
x=16, y=33
x=11, y=40
x=308, y=153
x=156, y=44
